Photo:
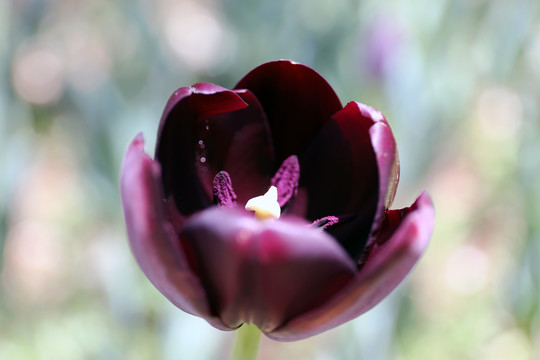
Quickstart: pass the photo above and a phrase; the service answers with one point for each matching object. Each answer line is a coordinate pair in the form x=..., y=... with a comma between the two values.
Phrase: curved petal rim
x=152, y=239
x=206, y=129
x=297, y=101
x=386, y=266
x=263, y=272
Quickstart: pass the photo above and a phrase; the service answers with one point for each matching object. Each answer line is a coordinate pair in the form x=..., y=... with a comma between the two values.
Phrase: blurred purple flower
x=335, y=252
x=383, y=46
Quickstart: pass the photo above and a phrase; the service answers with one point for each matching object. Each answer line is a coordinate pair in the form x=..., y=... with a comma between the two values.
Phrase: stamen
x=325, y=222
x=286, y=180
x=265, y=206
x=224, y=195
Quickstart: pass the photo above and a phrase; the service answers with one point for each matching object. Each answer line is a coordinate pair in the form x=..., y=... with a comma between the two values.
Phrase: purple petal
x=386, y=266
x=264, y=272
x=339, y=173
x=206, y=129
x=222, y=101
x=386, y=153
x=152, y=238
x=296, y=100
x=250, y=160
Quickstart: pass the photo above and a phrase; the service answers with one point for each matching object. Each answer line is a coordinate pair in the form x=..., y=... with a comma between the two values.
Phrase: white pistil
x=265, y=206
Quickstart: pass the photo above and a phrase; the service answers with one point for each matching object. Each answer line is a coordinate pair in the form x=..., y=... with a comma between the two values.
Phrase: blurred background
x=458, y=80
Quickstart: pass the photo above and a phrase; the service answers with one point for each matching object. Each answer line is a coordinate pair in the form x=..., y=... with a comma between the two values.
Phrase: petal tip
x=138, y=140
x=368, y=111
x=420, y=228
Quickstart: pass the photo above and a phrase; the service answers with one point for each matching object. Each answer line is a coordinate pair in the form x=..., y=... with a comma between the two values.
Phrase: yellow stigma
x=265, y=206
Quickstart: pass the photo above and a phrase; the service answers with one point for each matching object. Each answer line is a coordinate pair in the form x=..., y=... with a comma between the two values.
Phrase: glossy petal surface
x=386, y=153
x=387, y=265
x=297, y=102
x=206, y=129
x=263, y=272
x=339, y=172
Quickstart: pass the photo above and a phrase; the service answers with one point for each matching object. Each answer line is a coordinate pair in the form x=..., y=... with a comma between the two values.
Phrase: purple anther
x=286, y=179
x=325, y=222
x=224, y=195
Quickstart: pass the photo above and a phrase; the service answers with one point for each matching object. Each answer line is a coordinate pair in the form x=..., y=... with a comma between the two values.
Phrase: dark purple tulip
x=335, y=252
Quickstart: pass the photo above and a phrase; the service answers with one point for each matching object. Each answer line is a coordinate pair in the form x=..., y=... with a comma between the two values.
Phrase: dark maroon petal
x=264, y=272
x=250, y=160
x=222, y=101
x=386, y=152
x=152, y=237
x=206, y=129
x=286, y=179
x=173, y=216
x=296, y=100
x=339, y=173
x=386, y=266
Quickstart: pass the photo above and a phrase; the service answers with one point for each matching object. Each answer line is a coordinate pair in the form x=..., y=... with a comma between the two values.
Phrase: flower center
x=265, y=206
x=283, y=187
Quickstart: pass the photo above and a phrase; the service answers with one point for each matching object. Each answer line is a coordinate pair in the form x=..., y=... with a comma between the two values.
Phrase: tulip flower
x=269, y=205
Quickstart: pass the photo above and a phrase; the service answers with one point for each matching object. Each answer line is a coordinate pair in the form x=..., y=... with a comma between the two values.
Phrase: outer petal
x=339, y=173
x=296, y=100
x=386, y=153
x=385, y=268
x=206, y=129
x=152, y=238
x=263, y=272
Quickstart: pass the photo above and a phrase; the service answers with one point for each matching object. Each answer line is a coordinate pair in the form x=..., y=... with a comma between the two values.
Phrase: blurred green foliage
x=457, y=80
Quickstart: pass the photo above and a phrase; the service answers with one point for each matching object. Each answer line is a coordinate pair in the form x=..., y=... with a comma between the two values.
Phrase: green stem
x=247, y=342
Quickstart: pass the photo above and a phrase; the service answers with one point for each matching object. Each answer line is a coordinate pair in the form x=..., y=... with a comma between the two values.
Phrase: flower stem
x=247, y=342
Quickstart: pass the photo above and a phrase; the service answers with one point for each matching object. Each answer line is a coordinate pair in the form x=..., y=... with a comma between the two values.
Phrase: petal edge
x=152, y=237
x=386, y=267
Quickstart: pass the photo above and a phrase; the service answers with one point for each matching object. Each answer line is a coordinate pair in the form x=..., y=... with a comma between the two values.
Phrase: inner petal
x=195, y=144
x=178, y=142
x=239, y=143
x=297, y=101
x=340, y=175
